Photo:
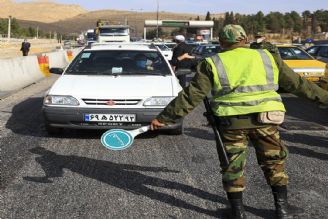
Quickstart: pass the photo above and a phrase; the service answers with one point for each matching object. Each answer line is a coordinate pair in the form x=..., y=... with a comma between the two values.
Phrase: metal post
x=157, y=20
x=145, y=33
x=211, y=33
x=9, y=27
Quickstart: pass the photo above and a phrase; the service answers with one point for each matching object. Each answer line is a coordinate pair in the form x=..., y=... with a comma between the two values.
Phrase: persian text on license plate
x=110, y=117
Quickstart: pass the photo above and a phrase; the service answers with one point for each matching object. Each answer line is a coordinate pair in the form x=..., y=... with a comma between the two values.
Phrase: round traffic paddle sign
x=117, y=139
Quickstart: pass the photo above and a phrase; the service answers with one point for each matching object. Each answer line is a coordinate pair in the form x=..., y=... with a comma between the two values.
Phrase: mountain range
x=72, y=18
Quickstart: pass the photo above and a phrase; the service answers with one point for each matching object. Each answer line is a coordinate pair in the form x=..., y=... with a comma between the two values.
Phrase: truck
x=107, y=32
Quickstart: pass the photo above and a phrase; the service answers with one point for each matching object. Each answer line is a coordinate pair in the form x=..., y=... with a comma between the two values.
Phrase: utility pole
x=157, y=20
x=9, y=27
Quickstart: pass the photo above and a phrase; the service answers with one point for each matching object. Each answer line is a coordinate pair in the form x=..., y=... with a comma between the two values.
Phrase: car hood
x=83, y=86
x=307, y=64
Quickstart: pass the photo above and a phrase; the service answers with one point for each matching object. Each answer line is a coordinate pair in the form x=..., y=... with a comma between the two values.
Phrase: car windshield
x=211, y=49
x=113, y=31
x=170, y=45
x=119, y=62
x=163, y=47
x=293, y=53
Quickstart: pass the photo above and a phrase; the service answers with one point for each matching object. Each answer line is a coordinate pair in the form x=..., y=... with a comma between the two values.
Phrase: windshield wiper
x=145, y=73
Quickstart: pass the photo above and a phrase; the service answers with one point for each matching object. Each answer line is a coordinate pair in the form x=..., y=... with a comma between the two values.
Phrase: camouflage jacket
x=202, y=84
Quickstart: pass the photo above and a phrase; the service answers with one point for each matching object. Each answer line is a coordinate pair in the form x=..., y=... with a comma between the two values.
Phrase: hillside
x=49, y=16
x=88, y=20
x=42, y=11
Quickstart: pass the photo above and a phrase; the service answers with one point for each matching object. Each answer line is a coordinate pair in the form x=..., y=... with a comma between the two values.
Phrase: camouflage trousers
x=271, y=155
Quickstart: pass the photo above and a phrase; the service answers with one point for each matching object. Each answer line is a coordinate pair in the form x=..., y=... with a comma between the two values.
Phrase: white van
x=111, y=86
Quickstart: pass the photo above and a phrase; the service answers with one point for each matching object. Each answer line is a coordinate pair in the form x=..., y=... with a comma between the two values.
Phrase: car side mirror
x=183, y=71
x=57, y=71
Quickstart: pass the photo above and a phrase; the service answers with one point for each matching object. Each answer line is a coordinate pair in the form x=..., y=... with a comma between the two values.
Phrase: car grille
x=111, y=102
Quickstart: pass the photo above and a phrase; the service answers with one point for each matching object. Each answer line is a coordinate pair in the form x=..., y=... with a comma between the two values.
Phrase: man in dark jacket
x=181, y=49
x=25, y=47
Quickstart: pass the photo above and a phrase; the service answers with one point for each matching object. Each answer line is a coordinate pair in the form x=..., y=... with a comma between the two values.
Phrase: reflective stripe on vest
x=224, y=81
x=246, y=103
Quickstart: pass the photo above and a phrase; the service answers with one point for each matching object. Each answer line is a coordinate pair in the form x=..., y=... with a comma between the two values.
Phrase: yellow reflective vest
x=245, y=81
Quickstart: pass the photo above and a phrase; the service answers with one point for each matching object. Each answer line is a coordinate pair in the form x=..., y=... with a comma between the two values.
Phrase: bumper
x=64, y=117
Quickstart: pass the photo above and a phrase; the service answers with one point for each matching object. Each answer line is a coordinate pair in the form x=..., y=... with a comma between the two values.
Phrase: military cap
x=232, y=33
x=259, y=34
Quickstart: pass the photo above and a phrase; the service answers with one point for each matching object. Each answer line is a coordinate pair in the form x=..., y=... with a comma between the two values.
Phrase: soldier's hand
x=155, y=124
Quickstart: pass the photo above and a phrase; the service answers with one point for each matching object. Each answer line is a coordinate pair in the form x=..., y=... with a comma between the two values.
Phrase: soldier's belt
x=248, y=121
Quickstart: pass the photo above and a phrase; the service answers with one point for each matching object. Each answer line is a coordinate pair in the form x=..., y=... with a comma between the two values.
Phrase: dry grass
x=44, y=11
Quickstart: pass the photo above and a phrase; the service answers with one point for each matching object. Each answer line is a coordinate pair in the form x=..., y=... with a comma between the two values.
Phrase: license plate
x=110, y=117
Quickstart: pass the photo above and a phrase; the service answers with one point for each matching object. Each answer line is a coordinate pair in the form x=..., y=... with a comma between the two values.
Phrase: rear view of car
x=203, y=51
x=112, y=86
x=302, y=63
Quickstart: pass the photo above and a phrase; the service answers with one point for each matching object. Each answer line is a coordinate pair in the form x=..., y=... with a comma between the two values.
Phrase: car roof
x=122, y=46
x=320, y=44
x=285, y=45
x=205, y=45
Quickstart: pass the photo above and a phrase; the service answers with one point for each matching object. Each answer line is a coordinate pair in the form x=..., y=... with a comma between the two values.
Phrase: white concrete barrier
x=57, y=59
x=19, y=72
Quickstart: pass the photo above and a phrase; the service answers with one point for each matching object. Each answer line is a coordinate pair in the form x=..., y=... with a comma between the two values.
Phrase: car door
x=323, y=54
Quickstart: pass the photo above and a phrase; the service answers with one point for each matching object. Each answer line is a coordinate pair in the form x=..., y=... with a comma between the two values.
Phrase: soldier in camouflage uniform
x=244, y=126
x=259, y=41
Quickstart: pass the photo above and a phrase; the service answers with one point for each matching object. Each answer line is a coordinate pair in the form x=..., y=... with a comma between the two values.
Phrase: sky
x=201, y=6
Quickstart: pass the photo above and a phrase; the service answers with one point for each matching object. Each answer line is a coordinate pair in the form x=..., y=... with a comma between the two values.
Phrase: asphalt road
x=160, y=176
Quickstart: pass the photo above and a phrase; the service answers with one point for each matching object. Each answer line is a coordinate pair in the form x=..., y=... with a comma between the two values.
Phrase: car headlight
x=60, y=100
x=158, y=101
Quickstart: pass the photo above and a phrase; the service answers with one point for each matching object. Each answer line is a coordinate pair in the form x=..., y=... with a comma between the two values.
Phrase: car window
x=163, y=47
x=170, y=45
x=114, y=62
x=211, y=49
x=323, y=51
x=293, y=53
x=313, y=50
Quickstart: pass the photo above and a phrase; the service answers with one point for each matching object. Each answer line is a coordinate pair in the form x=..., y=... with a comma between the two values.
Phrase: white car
x=167, y=52
x=111, y=86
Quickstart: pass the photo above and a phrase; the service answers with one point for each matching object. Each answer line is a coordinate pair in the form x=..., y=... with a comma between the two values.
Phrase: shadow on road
x=310, y=141
x=122, y=176
x=305, y=110
x=200, y=133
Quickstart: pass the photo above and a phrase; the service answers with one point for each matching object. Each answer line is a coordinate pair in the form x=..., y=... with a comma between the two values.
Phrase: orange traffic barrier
x=44, y=65
x=70, y=55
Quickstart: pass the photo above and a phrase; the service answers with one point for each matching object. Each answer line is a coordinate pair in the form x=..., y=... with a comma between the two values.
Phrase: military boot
x=283, y=209
x=237, y=210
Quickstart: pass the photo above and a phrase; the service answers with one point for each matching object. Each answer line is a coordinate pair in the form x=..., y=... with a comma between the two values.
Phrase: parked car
x=67, y=44
x=319, y=52
x=171, y=45
x=203, y=51
x=111, y=86
x=302, y=63
x=168, y=53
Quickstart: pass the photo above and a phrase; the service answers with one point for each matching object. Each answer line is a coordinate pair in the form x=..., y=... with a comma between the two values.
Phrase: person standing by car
x=259, y=40
x=181, y=49
x=246, y=105
x=25, y=48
